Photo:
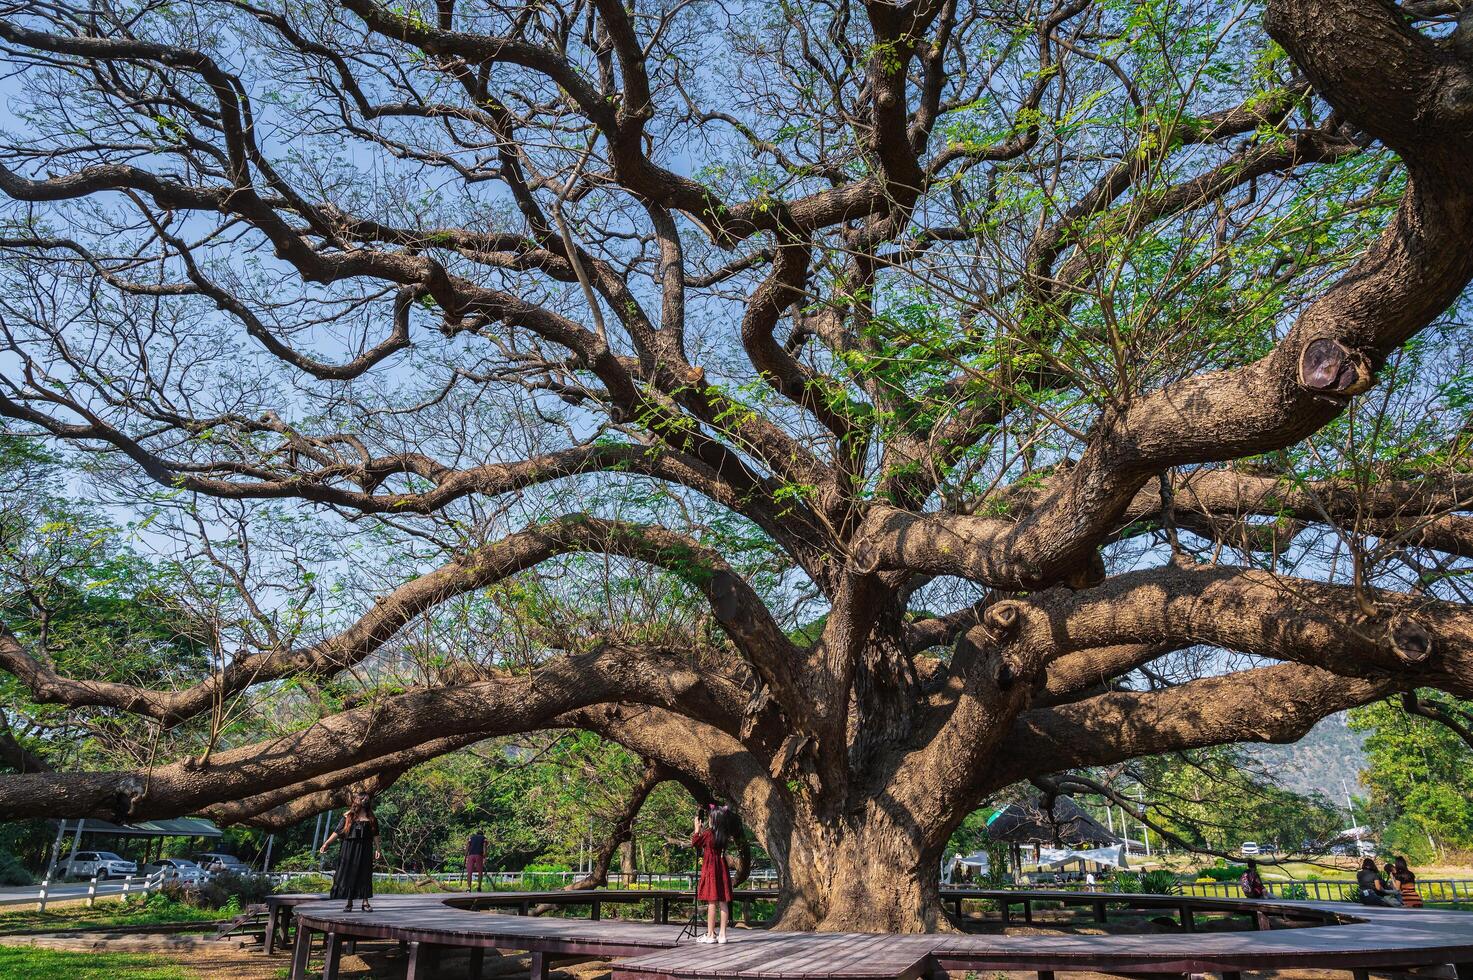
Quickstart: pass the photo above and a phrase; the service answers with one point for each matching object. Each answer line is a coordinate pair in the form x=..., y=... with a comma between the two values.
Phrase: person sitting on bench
x=1374, y=890
x=1407, y=882
x=1251, y=884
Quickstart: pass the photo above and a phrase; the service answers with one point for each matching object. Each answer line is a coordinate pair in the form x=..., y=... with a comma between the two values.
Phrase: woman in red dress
x=710, y=836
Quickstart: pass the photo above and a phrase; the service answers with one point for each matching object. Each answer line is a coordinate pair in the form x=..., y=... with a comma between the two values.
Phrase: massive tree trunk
x=869, y=871
x=858, y=839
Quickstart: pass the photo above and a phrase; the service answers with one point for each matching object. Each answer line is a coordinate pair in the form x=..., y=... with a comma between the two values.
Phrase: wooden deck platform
x=280, y=909
x=1360, y=940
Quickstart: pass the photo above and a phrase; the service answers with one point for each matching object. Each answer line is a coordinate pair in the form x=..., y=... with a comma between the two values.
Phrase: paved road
x=59, y=892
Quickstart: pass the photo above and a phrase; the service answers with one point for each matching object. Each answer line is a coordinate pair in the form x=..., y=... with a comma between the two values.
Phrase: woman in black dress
x=359, y=833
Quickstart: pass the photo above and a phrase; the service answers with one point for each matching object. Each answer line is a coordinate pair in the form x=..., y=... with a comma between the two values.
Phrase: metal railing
x=1432, y=890
x=542, y=880
x=1438, y=890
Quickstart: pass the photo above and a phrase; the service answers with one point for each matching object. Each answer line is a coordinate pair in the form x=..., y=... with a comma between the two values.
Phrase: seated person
x=1251, y=883
x=1407, y=881
x=1373, y=888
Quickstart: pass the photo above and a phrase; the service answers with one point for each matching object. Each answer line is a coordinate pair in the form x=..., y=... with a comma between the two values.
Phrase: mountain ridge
x=1328, y=760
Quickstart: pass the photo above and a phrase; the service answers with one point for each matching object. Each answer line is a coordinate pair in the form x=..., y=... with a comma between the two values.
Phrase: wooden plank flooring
x=1355, y=939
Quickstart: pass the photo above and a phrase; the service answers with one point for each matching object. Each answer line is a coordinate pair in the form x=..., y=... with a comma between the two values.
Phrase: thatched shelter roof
x=1029, y=822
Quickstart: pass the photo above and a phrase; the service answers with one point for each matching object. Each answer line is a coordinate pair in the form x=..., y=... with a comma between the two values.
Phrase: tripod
x=689, y=929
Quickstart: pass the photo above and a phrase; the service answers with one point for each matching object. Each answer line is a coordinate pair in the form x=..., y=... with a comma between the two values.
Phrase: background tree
x=1215, y=799
x=1419, y=779
x=1080, y=377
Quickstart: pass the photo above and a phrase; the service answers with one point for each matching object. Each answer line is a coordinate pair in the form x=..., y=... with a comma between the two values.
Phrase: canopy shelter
x=175, y=827
x=150, y=831
x=977, y=863
x=1057, y=857
x=1065, y=823
x=1040, y=827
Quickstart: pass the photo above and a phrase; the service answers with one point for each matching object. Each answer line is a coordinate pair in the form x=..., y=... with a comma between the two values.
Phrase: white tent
x=978, y=861
x=1048, y=857
x=1052, y=857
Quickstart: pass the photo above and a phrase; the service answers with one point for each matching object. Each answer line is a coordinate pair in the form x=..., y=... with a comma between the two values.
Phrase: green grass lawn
x=25, y=963
x=1301, y=870
x=104, y=914
x=321, y=883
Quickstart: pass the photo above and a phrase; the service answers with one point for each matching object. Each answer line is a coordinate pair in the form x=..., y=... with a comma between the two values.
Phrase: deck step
x=254, y=915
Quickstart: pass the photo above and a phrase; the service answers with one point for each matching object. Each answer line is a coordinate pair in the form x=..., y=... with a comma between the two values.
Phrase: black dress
x=354, y=879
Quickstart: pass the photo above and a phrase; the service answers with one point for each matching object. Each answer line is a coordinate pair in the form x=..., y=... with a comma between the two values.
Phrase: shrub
x=12, y=872
x=1159, y=882
x=303, y=861
x=187, y=894
x=1295, y=890
x=220, y=892
x=304, y=883
x=997, y=878
x=395, y=886
x=168, y=900
x=544, y=877
x=1224, y=872
x=248, y=889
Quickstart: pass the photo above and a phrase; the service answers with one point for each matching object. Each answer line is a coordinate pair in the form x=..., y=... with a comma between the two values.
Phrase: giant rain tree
x=1001, y=389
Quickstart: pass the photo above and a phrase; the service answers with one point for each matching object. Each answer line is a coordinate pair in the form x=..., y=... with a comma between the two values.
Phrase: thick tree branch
x=507, y=705
x=1269, y=704
x=288, y=805
x=736, y=606
x=1416, y=641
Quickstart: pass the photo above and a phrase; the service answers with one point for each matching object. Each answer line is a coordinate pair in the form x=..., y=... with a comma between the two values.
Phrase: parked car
x=1356, y=847
x=215, y=862
x=1248, y=848
x=178, y=869
x=103, y=864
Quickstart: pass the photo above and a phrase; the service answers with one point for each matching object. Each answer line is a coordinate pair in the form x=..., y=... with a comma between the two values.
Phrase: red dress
x=715, y=885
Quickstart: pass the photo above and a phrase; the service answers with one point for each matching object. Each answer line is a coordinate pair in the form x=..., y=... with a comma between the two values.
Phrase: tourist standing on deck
x=713, y=831
x=475, y=859
x=359, y=834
